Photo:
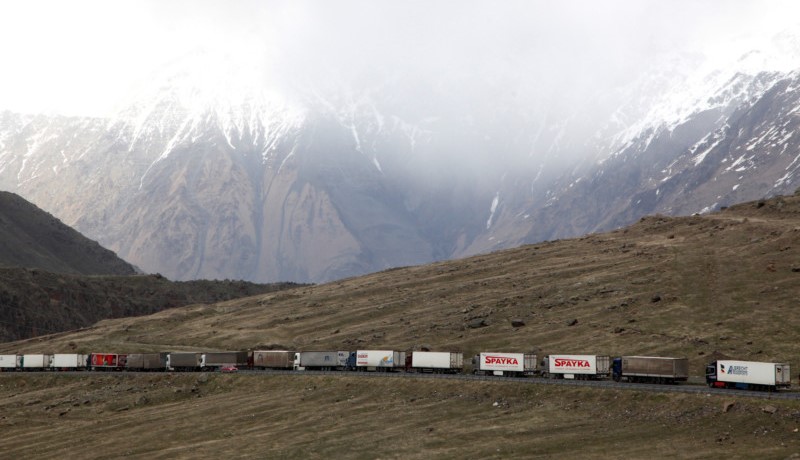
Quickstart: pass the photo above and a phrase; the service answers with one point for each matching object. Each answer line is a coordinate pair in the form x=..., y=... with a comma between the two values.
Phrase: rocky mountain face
x=191, y=184
x=740, y=143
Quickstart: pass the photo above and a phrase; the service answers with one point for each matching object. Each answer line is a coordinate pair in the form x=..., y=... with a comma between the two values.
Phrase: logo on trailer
x=582, y=363
x=733, y=370
x=501, y=360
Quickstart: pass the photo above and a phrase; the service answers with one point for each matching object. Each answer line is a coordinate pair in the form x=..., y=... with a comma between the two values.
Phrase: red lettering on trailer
x=561, y=362
x=501, y=360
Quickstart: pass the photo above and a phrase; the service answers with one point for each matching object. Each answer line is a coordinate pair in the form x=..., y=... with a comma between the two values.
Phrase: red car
x=229, y=369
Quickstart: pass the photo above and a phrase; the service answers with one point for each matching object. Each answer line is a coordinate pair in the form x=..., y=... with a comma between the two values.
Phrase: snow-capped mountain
x=209, y=172
x=690, y=136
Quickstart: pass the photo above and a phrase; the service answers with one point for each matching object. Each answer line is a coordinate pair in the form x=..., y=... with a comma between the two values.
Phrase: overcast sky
x=81, y=57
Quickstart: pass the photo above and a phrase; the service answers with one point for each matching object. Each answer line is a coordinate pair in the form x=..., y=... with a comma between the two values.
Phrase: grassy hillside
x=725, y=284
x=240, y=416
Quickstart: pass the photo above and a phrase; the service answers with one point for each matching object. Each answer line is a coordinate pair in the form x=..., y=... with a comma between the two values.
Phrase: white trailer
x=68, y=361
x=10, y=362
x=577, y=366
x=437, y=361
x=748, y=375
x=36, y=361
x=321, y=360
x=381, y=360
x=507, y=364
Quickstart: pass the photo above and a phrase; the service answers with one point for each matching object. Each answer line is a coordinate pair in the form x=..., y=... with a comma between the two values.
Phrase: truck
x=107, y=361
x=146, y=361
x=219, y=359
x=581, y=367
x=10, y=362
x=184, y=361
x=321, y=360
x=272, y=359
x=380, y=360
x=504, y=364
x=69, y=361
x=748, y=375
x=36, y=361
x=437, y=361
x=650, y=369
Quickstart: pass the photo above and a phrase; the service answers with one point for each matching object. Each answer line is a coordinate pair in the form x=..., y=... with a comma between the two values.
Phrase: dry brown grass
x=243, y=416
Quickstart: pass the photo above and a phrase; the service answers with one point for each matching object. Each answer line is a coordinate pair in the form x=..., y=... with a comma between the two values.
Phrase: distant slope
x=36, y=302
x=33, y=238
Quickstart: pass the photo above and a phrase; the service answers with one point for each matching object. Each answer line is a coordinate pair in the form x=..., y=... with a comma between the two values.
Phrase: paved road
x=599, y=384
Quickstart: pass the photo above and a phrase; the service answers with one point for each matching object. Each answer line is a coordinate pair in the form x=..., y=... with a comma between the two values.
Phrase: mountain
x=211, y=172
x=32, y=238
x=713, y=138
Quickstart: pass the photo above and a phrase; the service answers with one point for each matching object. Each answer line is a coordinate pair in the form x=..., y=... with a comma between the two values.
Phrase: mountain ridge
x=336, y=185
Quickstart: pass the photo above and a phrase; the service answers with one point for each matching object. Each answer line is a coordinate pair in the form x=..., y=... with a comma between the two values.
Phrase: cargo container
x=184, y=361
x=107, y=361
x=10, y=362
x=146, y=361
x=505, y=364
x=68, y=361
x=576, y=366
x=652, y=369
x=380, y=360
x=437, y=361
x=272, y=359
x=224, y=358
x=321, y=360
x=748, y=375
x=36, y=361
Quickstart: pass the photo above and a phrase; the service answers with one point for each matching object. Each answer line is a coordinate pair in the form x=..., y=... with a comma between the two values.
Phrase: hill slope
x=33, y=238
x=724, y=283
x=702, y=286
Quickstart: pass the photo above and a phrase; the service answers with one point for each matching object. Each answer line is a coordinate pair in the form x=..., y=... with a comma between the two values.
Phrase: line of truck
x=636, y=369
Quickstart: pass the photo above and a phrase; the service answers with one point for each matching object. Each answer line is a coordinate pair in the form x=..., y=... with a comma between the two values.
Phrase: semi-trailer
x=146, y=361
x=184, y=361
x=380, y=360
x=10, y=362
x=219, y=359
x=505, y=364
x=650, y=369
x=107, y=361
x=36, y=361
x=69, y=361
x=576, y=366
x=748, y=375
x=321, y=360
x=273, y=359
x=437, y=361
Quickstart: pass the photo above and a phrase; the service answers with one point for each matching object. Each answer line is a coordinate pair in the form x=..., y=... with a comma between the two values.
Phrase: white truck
x=68, y=361
x=380, y=360
x=437, y=361
x=748, y=375
x=321, y=360
x=504, y=364
x=576, y=366
x=10, y=362
x=36, y=361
